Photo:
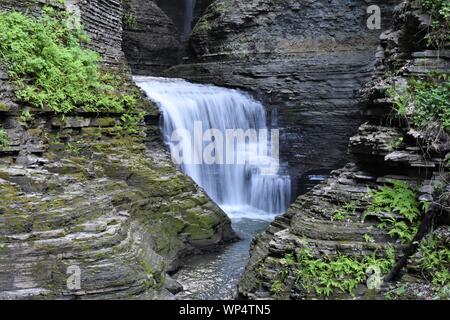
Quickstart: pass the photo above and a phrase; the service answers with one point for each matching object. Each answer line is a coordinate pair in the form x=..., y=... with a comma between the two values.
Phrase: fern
x=326, y=275
x=4, y=139
x=399, y=199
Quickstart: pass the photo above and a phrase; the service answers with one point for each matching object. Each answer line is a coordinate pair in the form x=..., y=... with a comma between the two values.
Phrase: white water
x=240, y=190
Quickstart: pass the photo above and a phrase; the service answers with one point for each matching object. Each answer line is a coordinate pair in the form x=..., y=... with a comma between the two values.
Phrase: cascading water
x=250, y=192
x=251, y=189
x=188, y=18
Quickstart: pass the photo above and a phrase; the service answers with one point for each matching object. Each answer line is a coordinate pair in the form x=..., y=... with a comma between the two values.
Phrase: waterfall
x=255, y=187
x=188, y=18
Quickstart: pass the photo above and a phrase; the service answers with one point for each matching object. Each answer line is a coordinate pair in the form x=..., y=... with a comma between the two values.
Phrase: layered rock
x=151, y=42
x=81, y=195
x=305, y=60
x=85, y=193
x=385, y=149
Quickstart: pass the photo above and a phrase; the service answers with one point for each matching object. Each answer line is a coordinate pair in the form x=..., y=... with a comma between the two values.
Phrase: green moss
x=3, y=107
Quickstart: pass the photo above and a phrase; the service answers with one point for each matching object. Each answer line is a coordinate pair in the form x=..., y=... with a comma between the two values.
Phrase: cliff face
x=155, y=32
x=83, y=193
x=151, y=42
x=334, y=222
x=305, y=60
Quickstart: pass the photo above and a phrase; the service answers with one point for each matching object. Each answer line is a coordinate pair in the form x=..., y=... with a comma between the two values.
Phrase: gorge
x=360, y=180
x=246, y=193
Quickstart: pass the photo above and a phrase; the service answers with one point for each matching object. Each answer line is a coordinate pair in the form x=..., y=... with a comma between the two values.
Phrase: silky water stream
x=249, y=185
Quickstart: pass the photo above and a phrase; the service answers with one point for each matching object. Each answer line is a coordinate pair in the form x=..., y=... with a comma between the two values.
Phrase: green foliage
x=73, y=148
x=397, y=143
x=129, y=21
x=342, y=214
x=4, y=139
x=131, y=121
x=434, y=259
x=399, y=199
x=439, y=31
x=400, y=99
x=368, y=238
x=25, y=116
x=52, y=69
x=325, y=275
x=399, y=229
x=277, y=287
x=424, y=100
x=431, y=102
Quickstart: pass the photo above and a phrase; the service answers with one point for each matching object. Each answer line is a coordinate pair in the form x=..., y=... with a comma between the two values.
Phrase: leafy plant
x=439, y=30
x=347, y=209
x=368, y=238
x=130, y=121
x=277, y=287
x=130, y=21
x=325, y=275
x=400, y=99
x=25, y=116
x=52, y=68
x=73, y=148
x=434, y=259
x=4, y=139
x=399, y=199
x=424, y=100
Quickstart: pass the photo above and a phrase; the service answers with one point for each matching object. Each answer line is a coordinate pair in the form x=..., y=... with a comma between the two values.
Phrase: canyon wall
x=82, y=194
x=304, y=59
x=334, y=222
x=151, y=41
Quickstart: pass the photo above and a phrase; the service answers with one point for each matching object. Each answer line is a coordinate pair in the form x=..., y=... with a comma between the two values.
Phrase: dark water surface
x=215, y=276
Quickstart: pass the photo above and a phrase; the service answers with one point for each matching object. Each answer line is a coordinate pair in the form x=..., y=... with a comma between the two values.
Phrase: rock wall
x=304, y=59
x=155, y=32
x=151, y=42
x=102, y=20
x=84, y=194
x=383, y=150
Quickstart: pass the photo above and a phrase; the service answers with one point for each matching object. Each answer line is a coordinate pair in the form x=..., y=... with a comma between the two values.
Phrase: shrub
x=439, y=31
x=51, y=68
x=424, y=100
x=434, y=259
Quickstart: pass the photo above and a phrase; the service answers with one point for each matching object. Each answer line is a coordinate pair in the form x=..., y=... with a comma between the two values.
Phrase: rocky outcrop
x=332, y=220
x=155, y=32
x=151, y=42
x=82, y=192
x=184, y=13
x=305, y=60
x=82, y=197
